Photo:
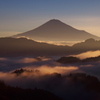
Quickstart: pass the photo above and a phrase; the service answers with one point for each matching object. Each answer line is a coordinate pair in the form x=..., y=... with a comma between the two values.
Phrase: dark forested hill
x=16, y=93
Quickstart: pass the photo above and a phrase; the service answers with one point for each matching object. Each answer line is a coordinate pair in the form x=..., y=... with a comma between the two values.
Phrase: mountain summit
x=55, y=30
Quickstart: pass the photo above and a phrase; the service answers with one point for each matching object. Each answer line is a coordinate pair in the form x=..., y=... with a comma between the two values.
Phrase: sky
x=18, y=16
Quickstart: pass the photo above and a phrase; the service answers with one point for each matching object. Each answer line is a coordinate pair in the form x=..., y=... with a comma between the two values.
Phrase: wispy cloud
x=88, y=54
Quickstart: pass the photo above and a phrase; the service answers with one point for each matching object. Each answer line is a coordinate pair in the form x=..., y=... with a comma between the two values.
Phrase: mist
x=45, y=73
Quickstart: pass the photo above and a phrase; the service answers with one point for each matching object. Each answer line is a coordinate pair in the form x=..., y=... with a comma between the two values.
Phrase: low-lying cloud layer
x=88, y=54
x=45, y=73
x=62, y=86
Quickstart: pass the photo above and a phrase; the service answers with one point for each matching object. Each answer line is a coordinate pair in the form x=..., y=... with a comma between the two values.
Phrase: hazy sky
x=22, y=15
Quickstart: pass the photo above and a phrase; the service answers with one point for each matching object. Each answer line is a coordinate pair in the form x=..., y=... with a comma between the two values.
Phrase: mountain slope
x=55, y=30
x=27, y=47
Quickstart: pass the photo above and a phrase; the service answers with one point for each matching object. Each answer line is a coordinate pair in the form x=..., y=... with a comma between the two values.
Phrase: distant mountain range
x=27, y=47
x=55, y=30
